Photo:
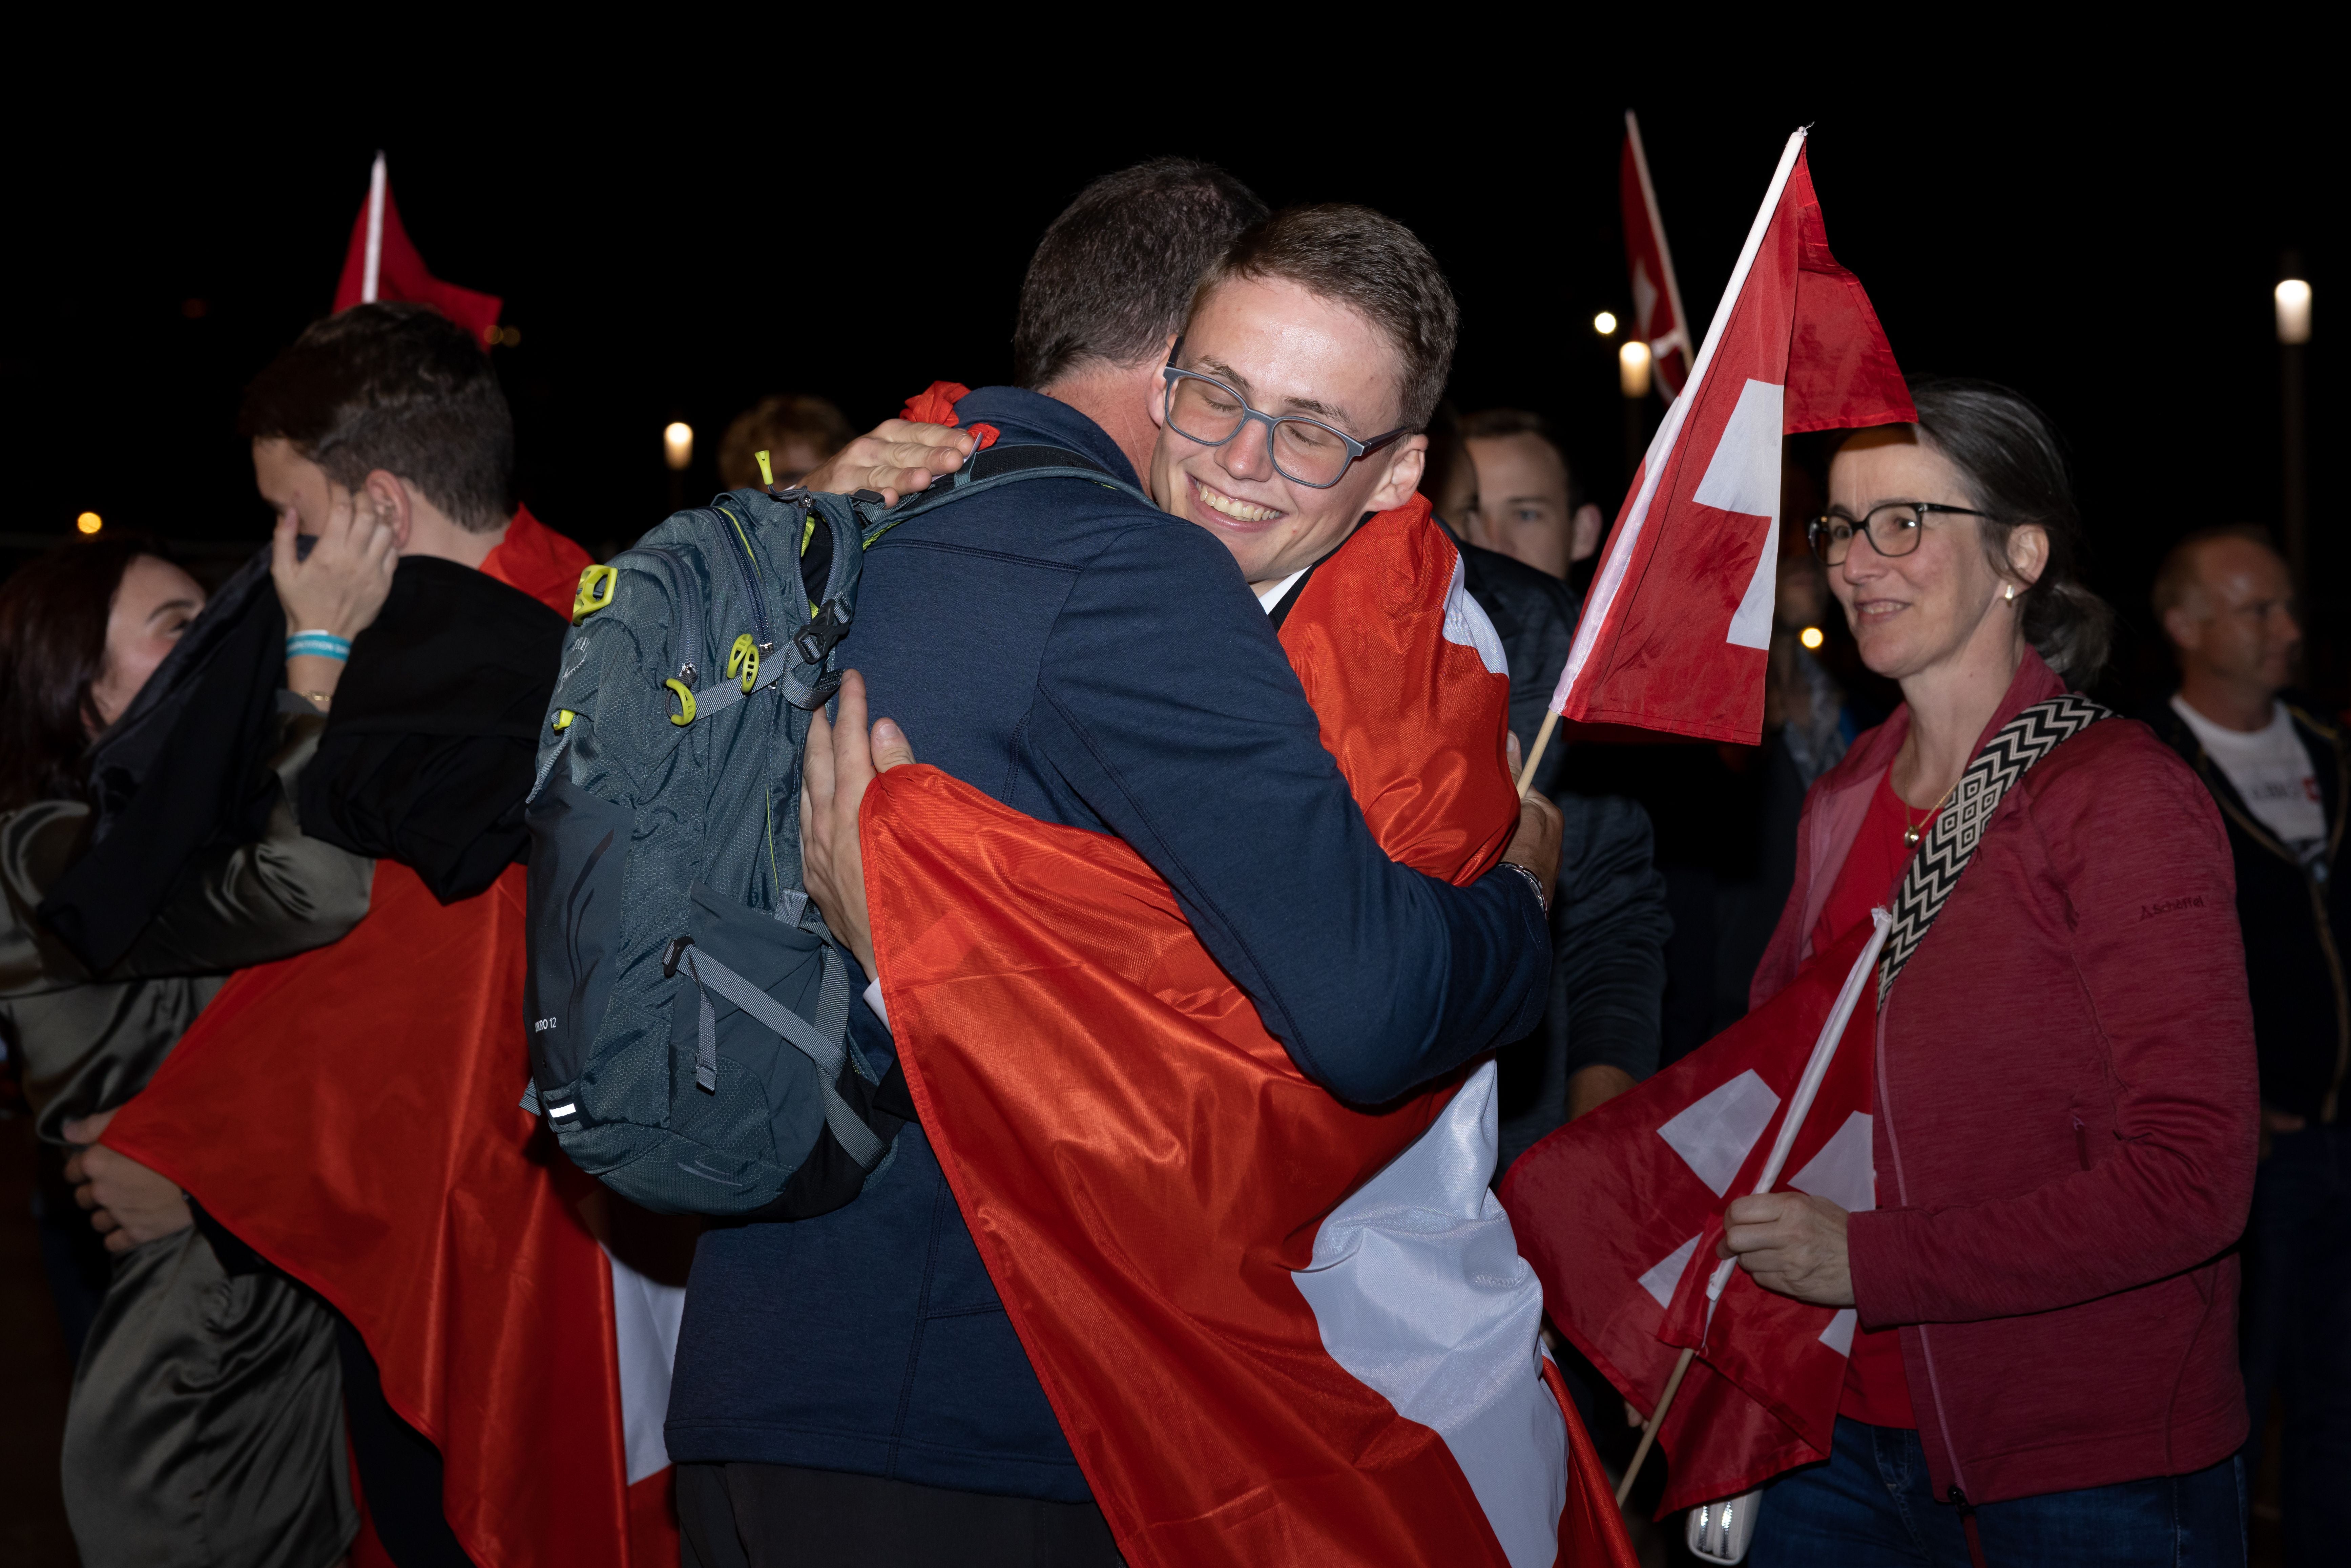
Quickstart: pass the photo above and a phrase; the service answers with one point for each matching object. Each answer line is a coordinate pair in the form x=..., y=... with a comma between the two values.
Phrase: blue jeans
x=2298, y=1330
x=1869, y=1508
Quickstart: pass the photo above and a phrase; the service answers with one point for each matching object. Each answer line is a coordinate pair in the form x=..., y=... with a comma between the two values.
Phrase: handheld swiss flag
x=1658, y=319
x=1620, y=1212
x=382, y=263
x=1673, y=635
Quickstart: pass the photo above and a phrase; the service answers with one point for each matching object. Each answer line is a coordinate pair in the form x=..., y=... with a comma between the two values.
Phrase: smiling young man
x=848, y=1387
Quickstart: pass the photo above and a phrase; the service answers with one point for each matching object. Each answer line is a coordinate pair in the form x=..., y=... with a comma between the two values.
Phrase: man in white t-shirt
x=2278, y=771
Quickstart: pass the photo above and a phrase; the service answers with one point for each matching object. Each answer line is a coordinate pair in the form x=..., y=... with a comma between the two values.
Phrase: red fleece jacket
x=2066, y=1120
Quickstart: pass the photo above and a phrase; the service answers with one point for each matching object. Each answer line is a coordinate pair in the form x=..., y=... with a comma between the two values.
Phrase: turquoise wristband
x=317, y=645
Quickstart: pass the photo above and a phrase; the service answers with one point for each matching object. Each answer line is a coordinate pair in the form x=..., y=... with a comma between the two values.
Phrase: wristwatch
x=1533, y=880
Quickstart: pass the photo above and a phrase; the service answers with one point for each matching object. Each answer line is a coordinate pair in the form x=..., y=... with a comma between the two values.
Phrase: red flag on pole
x=1620, y=1212
x=382, y=263
x=1658, y=319
x=1674, y=631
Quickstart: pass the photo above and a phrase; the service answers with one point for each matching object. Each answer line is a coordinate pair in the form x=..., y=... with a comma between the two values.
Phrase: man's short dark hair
x=1114, y=275
x=396, y=387
x=2181, y=571
x=1493, y=424
x=1372, y=264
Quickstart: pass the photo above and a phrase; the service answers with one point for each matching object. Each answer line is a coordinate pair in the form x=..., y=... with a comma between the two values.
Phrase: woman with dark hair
x=235, y=1456
x=2044, y=1369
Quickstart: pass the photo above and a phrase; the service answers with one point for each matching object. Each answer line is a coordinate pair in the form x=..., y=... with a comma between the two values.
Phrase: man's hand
x=1536, y=844
x=897, y=457
x=842, y=759
x=1792, y=1243
x=128, y=1204
x=348, y=575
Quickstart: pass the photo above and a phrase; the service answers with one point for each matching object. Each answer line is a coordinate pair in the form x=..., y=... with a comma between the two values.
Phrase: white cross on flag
x=1620, y=1210
x=1673, y=635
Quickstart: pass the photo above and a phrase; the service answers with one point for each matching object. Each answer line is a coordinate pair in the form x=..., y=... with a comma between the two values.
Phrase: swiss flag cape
x=383, y=264
x=1657, y=317
x=1673, y=633
x=351, y=1113
x=1620, y=1210
x=1206, y=1256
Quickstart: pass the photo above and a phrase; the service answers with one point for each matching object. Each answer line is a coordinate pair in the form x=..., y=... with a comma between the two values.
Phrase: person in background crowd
x=1526, y=506
x=2279, y=772
x=2063, y=1127
x=798, y=432
x=194, y=1380
x=848, y=1387
x=1600, y=1035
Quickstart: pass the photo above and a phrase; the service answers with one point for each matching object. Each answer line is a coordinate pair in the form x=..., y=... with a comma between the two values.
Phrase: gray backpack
x=688, y=1011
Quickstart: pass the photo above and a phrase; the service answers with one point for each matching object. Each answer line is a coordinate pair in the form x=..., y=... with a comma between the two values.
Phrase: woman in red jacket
x=2065, y=1100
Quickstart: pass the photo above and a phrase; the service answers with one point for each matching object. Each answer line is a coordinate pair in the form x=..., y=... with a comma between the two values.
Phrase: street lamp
x=1604, y=323
x=2293, y=299
x=89, y=522
x=677, y=444
x=2293, y=310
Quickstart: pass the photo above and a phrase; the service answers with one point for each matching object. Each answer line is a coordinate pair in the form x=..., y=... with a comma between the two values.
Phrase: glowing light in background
x=677, y=444
x=1812, y=637
x=1604, y=324
x=89, y=522
x=1633, y=368
x=2294, y=311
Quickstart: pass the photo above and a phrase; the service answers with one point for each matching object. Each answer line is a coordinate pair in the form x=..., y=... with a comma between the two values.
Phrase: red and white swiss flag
x=1673, y=635
x=1619, y=1212
x=1658, y=319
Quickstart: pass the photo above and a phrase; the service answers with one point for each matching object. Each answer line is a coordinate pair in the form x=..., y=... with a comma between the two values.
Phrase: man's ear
x=1404, y=467
x=2185, y=630
x=1154, y=399
x=383, y=493
x=1584, y=533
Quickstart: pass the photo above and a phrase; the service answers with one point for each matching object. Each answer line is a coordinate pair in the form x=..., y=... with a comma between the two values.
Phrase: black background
x=678, y=254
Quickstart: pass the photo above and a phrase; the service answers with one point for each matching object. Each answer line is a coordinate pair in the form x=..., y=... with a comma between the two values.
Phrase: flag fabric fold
x=1673, y=633
x=383, y=264
x=1620, y=1212
x=351, y=1113
x=1274, y=1327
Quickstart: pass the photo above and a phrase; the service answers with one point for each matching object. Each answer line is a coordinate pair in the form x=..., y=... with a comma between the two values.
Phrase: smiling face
x=1287, y=351
x=1911, y=613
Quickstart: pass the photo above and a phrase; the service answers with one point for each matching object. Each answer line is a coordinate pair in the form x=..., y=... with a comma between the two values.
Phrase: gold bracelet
x=322, y=701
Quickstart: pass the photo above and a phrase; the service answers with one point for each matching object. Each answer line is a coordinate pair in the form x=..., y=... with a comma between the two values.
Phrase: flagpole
x=1602, y=599
x=373, y=270
x=1808, y=1088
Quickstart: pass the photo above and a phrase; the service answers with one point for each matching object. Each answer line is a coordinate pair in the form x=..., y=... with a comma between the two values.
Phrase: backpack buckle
x=816, y=641
x=672, y=953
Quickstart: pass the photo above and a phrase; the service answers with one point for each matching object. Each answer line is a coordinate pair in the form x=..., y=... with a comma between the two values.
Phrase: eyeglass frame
x=1815, y=530
x=1356, y=450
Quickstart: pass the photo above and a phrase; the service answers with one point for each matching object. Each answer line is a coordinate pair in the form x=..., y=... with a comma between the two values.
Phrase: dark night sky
x=2114, y=262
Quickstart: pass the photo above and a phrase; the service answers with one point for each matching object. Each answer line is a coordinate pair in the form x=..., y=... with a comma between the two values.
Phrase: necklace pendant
x=1910, y=838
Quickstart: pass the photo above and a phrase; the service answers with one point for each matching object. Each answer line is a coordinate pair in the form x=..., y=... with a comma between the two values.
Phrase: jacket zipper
x=1902, y=1190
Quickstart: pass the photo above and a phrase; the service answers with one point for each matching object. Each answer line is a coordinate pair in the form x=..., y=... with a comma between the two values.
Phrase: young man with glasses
x=848, y=1388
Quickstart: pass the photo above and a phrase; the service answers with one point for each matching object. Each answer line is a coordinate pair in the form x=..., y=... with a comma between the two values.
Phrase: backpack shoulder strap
x=1959, y=826
x=997, y=467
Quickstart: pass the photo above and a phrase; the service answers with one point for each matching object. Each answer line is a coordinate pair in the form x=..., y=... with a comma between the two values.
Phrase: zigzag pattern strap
x=1959, y=826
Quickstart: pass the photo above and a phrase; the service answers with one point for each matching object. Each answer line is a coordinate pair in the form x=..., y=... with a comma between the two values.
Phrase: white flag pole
x=1800, y=1105
x=1610, y=581
x=375, y=234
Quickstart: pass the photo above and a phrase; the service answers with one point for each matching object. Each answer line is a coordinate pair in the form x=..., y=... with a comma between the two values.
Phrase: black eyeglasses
x=1893, y=528
x=1305, y=451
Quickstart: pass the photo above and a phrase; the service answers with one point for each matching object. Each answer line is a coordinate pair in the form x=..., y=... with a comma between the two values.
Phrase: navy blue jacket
x=1092, y=662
